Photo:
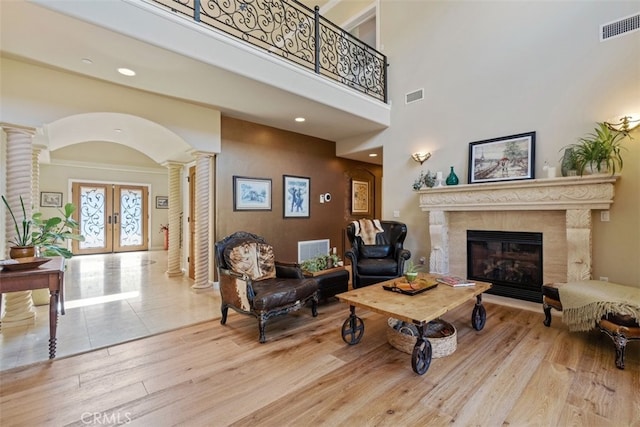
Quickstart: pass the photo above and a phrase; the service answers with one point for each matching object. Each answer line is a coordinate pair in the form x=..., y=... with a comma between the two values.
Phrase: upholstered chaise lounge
x=618, y=316
x=253, y=283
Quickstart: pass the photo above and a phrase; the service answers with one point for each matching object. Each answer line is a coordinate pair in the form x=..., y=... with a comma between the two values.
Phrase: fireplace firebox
x=510, y=260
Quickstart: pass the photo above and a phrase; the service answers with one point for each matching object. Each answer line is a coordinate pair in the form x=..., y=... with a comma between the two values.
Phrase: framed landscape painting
x=502, y=159
x=251, y=194
x=296, y=193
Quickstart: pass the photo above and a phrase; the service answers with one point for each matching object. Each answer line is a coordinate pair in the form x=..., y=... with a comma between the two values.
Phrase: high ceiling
x=36, y=34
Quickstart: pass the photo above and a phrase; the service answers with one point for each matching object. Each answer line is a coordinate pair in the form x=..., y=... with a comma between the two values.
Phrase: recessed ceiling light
x=118, y=130
x=373, y=155
x=126, y=72
x=87, y=61
x=300, y=119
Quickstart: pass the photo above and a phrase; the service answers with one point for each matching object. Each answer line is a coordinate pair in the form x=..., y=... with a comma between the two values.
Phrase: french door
x=111, y=217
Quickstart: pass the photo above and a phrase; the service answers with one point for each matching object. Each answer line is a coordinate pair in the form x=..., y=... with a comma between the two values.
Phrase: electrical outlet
x=396, y=214
x=422, y=260
x=604, y=216
x=604, y=278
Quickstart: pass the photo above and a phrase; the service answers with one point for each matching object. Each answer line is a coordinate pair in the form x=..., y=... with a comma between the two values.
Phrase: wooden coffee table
x=418, y=309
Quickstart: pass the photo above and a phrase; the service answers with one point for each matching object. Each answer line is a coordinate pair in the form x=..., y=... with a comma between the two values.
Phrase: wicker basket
x=442, y=336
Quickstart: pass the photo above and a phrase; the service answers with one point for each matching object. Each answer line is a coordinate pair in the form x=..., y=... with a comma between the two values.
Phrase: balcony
x=295, y=33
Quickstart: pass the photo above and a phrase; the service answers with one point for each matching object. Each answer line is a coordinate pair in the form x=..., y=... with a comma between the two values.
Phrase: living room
x=488, y=69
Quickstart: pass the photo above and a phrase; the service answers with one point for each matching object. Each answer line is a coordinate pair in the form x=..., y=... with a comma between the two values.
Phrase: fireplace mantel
x=576, y=196
x=586, y=192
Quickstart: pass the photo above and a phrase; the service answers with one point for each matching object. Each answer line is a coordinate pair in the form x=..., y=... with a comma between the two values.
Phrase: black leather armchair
x=253, y=283
x=381, y=261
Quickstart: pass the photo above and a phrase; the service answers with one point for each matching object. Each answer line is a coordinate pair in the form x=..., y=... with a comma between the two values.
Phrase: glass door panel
x=112, y=218
x=130, y=219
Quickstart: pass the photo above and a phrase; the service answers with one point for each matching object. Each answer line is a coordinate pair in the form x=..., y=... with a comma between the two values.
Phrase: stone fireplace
x=558, y=208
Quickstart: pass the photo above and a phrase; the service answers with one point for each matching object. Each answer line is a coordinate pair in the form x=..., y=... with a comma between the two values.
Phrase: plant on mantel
x=599, y=151
x=45, y=234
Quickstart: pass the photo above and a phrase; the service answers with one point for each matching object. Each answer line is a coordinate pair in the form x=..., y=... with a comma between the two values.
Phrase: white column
x=38, y=296
x=18, y=305
x=578, y=244
x=175, y=209
x=202, y=226
x=439, y=234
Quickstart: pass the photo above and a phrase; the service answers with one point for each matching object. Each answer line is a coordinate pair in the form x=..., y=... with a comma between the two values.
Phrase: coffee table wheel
x=352, y=330
x=421, y=356
x=478, y=317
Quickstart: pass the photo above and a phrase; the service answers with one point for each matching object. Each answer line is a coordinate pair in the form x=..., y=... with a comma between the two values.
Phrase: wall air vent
x=310, y=248
x=416, y=95
x=620, y=27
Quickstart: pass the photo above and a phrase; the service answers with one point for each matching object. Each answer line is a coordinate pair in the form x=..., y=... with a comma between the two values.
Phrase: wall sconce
x=421, y=157
x=625, y=124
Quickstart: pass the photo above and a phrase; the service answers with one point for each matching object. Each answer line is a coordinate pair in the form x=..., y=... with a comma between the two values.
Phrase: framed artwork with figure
x=296, y=192
x=360, y=197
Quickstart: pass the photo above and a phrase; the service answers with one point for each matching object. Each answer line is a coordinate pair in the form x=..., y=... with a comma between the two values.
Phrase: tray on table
x=416, y=287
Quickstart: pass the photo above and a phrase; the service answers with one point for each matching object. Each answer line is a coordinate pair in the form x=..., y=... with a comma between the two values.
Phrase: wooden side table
x=49, y=275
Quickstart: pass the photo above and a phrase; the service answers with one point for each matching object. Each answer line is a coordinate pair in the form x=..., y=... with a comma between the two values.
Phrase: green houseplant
x=319, y=263
x=411, y=271
x=599, y=151
x=49, y=234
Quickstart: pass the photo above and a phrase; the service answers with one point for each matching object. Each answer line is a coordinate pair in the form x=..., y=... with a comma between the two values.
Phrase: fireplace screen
x=511, y=261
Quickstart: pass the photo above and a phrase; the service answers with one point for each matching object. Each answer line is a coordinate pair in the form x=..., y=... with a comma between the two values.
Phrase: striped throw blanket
x=584, y=303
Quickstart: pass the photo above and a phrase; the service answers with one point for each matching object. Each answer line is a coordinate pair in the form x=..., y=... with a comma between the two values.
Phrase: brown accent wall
x=253, y=150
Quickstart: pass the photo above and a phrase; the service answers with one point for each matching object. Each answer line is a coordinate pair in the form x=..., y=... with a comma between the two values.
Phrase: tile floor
x=110, y=299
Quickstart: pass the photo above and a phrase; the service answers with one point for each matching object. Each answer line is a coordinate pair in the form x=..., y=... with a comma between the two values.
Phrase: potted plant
x=600, y=151
x=411, y=271
x=22, y=245
x=319, y=263
x=46, y=234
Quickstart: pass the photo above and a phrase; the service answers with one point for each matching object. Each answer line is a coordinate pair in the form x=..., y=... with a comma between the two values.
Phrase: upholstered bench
x=620, y=327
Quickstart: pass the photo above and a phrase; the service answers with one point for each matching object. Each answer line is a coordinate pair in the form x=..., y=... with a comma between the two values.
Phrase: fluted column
x=38, y=296
x=202, y=226
x=175, y=209
x=18, y=305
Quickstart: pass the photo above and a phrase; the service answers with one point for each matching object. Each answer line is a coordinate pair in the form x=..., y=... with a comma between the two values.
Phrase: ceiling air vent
x=416, y=95
x=620, y=27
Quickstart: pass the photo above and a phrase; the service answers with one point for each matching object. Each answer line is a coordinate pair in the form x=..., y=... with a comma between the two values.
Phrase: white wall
x=492, y=69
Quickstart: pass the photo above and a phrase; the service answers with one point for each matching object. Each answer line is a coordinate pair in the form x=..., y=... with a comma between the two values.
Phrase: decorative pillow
x=256, y=260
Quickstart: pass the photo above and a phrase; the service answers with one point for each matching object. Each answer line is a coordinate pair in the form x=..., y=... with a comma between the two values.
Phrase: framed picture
x=162, y=202
x=251, y=194
x=359, y=197
x=296, y=193
x=506, y=158
x=50, y=200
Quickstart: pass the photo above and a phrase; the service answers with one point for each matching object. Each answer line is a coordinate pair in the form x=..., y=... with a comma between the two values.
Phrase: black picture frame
x=506, y=158
x=296, y=192
x=162, y=202
x=50, y=199
x=251, y=194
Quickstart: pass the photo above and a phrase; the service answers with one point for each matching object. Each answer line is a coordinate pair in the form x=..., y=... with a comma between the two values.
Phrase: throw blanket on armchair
x=584, y=303
x=367, y=230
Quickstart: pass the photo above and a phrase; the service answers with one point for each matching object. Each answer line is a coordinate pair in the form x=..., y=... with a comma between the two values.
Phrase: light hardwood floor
x=110, y=299
x=514, y=372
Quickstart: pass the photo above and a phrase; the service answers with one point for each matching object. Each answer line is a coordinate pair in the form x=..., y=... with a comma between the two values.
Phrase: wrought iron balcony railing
x=296, y=33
